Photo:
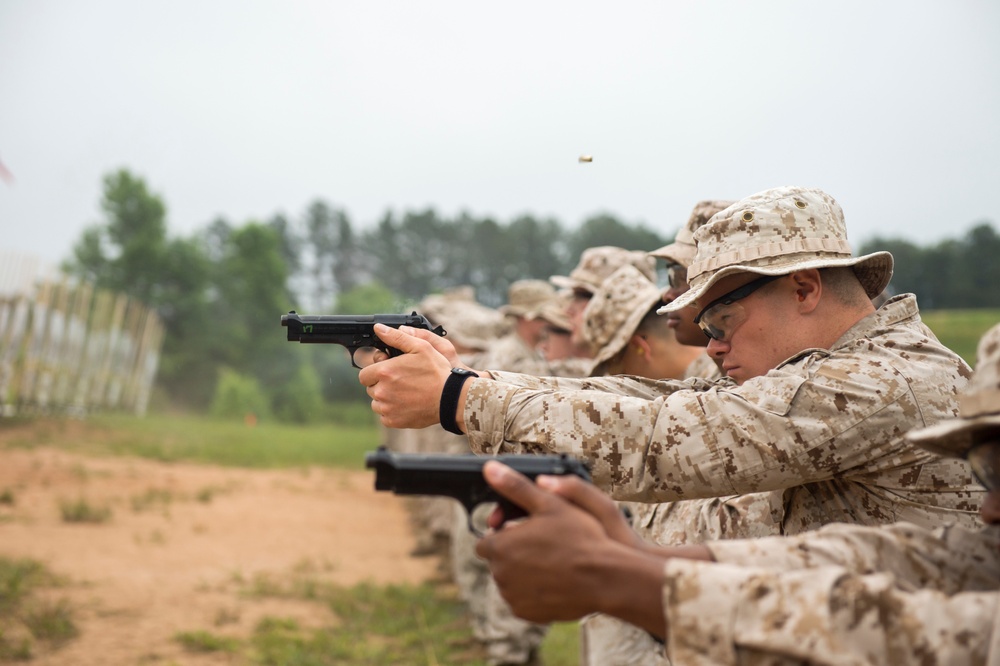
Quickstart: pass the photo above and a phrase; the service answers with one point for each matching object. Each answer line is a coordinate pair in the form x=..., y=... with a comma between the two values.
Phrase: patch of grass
x=17, y=578
x=29, y=626
x=152, y=498
x=960, y=330
x=7, y=497
x=561, y=646
x=82, y=511
x=395, y=624
x=205, y=641
x=52, y=623
x=202, y=439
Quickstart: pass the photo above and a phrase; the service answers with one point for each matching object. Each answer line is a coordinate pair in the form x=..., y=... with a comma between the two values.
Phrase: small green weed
x=151, y=499
x=7, y=497
x=52, y=623
x=204, y=641
x=29, y=626
x=82, y=511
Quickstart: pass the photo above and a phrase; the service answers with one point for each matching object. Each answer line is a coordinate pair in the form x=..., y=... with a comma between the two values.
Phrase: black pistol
x=461, y=476
x=356, y=332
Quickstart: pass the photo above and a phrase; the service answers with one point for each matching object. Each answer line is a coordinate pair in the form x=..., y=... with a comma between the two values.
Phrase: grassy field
x=961, y=329
x=383, y=625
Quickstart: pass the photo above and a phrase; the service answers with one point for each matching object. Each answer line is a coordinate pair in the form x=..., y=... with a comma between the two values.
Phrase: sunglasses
x=724, y=315
x=677, y=275
x=985, y=462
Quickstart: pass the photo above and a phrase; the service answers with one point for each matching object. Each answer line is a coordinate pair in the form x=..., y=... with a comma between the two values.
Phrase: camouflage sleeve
x=727, y=614
x=949, y=559
x=795, y=426
x=639, y=387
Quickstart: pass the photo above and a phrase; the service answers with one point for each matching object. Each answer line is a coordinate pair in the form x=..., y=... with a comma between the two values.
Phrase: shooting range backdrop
x=68, y=348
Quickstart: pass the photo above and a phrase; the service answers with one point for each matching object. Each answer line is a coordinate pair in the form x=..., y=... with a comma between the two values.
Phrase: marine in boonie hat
x=554, y=311
x=978, y=407
x=469, y=324
x=597, y=263
x=525, y=298
x=777, y=232
x=683, y=250
x=615, y=311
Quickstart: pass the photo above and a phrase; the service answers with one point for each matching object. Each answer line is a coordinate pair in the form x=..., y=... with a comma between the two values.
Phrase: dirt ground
x=184, y=540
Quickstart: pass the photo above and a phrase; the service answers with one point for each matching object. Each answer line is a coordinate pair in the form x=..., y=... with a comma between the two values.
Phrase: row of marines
x=801, y=459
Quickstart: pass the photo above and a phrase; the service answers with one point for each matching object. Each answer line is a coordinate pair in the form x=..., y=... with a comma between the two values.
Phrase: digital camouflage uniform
x=898, y=594
x=507, y=638
x=611, y=318
x=821, y=434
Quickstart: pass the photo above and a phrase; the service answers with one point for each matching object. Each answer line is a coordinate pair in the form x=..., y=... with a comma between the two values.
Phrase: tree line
x=221, y=290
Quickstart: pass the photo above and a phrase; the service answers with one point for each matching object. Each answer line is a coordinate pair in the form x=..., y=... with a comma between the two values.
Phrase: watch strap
x=449, y=399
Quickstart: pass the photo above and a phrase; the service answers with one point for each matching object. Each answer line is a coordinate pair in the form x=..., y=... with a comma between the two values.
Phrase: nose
x=717, y=348
x=990, y=511
x=671, y=293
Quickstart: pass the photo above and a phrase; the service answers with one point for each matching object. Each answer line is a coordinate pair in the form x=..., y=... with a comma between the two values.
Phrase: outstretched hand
x=406, y=389
x=544, y=566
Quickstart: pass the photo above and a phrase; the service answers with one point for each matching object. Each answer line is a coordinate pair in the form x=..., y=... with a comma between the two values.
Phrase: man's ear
x=641, y=345
x=808, y=289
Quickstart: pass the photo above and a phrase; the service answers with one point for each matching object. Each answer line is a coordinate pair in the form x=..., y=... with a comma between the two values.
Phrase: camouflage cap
x=554, y=311
x=776, y=232
x=682, y=250
x=525, y=298
x=468, y=323
x=597, y=263
x=978, y=406
x=615, y=310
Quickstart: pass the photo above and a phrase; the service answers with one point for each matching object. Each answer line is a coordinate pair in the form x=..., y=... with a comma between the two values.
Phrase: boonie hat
x=615, y=311
x=554, y=311
x=526, y=298
x=682, y=250
x=468, y=323
x=777, y=232
x=978, y=406
x=597, y=263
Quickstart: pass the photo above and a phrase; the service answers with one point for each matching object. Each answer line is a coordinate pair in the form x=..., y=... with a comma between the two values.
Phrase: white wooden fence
x=66, y=348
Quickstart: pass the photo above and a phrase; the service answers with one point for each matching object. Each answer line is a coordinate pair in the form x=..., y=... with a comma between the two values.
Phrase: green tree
x=127, y=251
x=608, y=230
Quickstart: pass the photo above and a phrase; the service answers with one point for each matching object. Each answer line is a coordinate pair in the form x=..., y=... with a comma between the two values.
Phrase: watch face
x=463, y=371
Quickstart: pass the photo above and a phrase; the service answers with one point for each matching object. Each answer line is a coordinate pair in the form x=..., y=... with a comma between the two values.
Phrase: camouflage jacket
x=898, y=594
x=825, y=428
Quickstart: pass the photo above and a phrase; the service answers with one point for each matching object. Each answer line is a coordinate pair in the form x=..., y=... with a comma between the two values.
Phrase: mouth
x=673, y=321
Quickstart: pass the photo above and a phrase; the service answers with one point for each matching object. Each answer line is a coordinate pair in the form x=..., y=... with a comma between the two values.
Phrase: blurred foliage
x=954, y=274
x=239, y=397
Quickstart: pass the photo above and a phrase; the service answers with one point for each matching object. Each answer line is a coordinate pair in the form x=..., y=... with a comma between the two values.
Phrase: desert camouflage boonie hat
x=777, y=232
x=468, y=323
x=682, y=250
x=526, y=298
x=978, y=406
x=598, y=263
x=616, y=309
x=554, y=311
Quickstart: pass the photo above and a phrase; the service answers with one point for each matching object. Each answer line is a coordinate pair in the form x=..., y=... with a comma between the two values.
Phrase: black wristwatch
x=449, y=398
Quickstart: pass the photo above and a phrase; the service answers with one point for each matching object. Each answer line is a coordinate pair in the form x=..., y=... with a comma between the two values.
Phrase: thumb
x=517, y=488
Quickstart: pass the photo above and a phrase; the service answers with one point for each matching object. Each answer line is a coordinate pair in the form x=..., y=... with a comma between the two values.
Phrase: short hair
x=843, y=283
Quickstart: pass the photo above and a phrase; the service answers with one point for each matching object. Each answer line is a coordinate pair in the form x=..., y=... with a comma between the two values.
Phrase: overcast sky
x=244, y=109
